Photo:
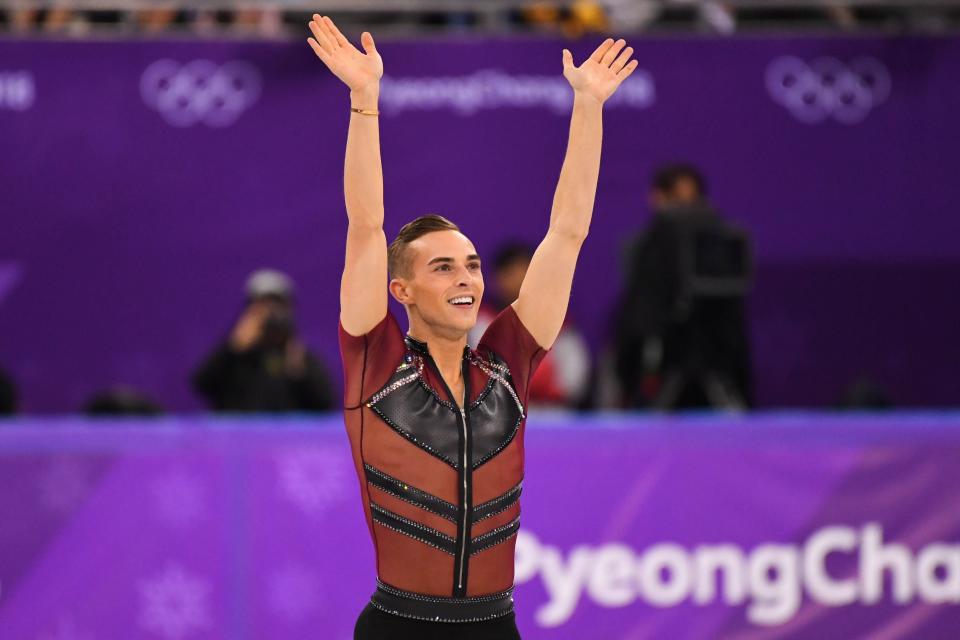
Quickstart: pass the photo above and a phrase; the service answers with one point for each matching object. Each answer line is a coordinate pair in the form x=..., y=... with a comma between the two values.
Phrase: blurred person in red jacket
x=563, y=378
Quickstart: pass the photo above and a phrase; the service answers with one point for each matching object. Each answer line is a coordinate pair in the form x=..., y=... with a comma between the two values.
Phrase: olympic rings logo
x=827, y=88
x=200, y=91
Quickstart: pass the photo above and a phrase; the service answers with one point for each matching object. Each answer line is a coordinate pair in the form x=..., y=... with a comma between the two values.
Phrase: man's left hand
x=600, y=74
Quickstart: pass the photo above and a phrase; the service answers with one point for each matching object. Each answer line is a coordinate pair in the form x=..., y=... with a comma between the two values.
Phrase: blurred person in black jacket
x=263, y=365
x=8, y=395
x=680, y=326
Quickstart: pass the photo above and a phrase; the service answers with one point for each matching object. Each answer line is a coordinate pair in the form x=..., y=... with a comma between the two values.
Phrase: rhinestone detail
x=438, y=618
x=416, y=441
x=499, y=529
x=504, y=498
x=497, y=372
x=390, y=388
x=417, y=596
x=413, y=524
x=413, y=490
x=494, y=532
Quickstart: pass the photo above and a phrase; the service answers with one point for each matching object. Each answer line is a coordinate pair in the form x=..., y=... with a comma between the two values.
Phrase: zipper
x=466, y=506
x=460, y=589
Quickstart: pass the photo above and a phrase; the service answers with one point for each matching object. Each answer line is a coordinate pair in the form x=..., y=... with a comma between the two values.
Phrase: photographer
x=264, y=366
x=680, y=337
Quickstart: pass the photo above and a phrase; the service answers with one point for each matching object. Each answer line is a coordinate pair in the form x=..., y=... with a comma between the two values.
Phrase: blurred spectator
x=159, y=18
x=577, y=18
x=8, y=395
x=585, y=16
x=631, y=15
x=563, y=376
x=121, y=401
x=680, y=339
x=23, y=20
x=258, y=20
x=264, y=366
x=65, y=18
x=634, y=15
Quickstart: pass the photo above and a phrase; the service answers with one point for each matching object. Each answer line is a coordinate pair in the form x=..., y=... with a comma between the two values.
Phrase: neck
x=446, y=350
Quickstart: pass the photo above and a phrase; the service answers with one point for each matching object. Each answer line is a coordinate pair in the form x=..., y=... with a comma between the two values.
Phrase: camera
x=278, y=327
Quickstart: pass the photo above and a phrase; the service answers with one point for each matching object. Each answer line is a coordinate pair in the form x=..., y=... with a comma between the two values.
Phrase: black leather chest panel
x=431, y=422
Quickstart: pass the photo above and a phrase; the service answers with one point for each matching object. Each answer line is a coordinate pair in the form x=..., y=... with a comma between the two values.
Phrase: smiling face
x=443, y=284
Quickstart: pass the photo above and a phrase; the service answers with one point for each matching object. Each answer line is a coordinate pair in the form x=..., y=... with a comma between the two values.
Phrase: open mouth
x=464, y=302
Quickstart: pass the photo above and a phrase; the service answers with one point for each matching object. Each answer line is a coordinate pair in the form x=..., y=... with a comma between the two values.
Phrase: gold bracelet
x=365, y=112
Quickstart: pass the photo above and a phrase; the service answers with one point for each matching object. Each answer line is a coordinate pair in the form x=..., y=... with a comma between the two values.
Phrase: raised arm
x=542, y=303
x=363, y=290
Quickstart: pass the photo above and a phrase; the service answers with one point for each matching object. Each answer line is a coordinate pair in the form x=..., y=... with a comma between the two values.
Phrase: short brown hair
x=398, y=258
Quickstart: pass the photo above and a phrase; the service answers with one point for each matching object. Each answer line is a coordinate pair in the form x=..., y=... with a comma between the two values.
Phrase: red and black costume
x=440, y=485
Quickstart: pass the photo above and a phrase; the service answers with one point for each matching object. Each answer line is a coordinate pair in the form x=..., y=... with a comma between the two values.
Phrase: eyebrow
x=471, y=258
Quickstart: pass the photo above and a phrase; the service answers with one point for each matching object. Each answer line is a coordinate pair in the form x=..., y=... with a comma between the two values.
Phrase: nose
x=463, y=278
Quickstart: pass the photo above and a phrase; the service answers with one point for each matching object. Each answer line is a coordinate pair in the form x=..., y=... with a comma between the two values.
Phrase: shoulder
x=370, y=359
x=508, y=342
x=387, y=328
x=385, y=339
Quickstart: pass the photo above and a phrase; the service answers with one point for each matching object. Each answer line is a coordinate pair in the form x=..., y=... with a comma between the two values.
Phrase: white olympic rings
x=828, y=88
x=200, y=91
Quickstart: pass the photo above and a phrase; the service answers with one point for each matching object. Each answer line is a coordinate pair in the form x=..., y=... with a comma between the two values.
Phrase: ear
x=399, y=291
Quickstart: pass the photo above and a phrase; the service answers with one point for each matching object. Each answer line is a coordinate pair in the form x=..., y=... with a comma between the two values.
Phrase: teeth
x=464, y=299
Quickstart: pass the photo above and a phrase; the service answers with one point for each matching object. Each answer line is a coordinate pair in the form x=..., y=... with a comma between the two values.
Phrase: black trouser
x=374, y=624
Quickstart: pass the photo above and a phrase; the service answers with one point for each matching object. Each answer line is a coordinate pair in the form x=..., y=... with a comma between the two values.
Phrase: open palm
x=601, y=73
x=357, y=70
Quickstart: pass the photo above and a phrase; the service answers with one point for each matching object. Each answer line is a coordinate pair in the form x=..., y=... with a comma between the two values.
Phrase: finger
x=612, y=52
x=343, y=42
x=622, y=59
x=567, y=59
x=317, y=49
x=597, y=55
x=367, y=41
x=328, y=32
x=321, y=37
x=624, y=73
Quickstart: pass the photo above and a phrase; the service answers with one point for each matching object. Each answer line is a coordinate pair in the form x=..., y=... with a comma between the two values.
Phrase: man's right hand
x=361, y=72
x=249, y=327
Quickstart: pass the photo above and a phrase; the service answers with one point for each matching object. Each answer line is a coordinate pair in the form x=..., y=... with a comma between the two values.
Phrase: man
x=263, y=366
x=677, y=348
x=436, y=428
x=677, y=186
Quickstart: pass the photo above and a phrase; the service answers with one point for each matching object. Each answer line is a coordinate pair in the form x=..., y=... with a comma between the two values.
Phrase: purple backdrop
x=800, y=526
x=141, y=181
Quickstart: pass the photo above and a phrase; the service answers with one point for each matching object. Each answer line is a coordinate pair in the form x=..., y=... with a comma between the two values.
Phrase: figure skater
x=436, y=428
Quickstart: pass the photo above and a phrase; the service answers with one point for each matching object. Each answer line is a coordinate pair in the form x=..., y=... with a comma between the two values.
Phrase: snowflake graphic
x=64, y=484
x=178, y=499
x=65, y=630
x=313, y=479
x=174, y=604
x=293, y=593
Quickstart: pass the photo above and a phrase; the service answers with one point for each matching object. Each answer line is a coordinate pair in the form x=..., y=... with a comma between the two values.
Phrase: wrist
x=366, y=98
x=585, y=100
